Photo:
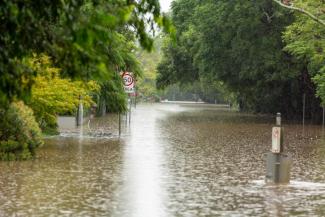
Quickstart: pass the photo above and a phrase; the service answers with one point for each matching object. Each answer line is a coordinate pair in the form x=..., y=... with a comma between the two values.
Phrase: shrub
x=20, y=134
x=53, y=95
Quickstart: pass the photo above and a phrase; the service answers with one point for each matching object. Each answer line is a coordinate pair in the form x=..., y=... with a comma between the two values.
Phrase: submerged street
x=162, y=108
x=172, y=160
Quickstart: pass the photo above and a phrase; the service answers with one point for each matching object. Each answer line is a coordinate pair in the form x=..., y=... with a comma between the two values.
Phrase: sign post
x=129, y=88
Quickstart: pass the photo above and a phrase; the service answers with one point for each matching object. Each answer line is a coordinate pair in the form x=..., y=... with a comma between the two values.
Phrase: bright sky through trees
x=165, y=4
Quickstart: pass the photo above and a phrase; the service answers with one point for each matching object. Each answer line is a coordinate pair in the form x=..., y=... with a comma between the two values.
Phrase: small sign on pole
x=276, y=139
x=129, y=82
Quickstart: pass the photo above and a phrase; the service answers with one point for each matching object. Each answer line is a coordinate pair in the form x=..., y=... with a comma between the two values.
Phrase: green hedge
x=20, y=134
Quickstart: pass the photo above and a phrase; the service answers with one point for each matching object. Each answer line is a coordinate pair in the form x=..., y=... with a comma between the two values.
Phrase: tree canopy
x=253, y=47
x=305, y=39
x=87, y=39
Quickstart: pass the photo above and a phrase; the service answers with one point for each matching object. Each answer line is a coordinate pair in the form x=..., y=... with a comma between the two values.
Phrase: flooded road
x=173, y=160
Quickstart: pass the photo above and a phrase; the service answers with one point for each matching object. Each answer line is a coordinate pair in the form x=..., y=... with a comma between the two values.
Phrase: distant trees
x=146, y=83
x=252, y=47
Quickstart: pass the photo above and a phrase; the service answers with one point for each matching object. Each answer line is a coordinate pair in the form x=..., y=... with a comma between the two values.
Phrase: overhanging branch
x=301, y=11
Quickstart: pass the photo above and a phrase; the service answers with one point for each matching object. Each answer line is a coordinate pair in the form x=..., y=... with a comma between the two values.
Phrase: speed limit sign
x=128, y=81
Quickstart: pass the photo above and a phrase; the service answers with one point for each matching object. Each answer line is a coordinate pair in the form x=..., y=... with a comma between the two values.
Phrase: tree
x=305, y=40
x=74, y=33
x=86, y=39
x=320, y=80
x=289, y=5
x=241, y=45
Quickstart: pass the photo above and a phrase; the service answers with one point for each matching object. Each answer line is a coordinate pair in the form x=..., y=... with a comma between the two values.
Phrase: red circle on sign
x=127, y=79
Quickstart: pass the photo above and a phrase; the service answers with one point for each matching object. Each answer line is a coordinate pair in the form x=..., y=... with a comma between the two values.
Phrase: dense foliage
x=20, y=134
x=86, y=40
x=305, y=39
x=241, y=44
x=320, y=81
x=53, y=95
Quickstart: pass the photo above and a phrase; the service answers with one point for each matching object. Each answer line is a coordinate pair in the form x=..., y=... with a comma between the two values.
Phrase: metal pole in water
x=323, y=116
x=277, y=163
x=303, y=109
x=126, y=115
x=80, y=112
x=278, y=119
x=119, y=124
x=130, y=108
x=323, y=120
x=135, y=98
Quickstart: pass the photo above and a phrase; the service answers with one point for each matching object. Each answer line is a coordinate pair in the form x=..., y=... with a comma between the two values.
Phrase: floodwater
x=173, y=160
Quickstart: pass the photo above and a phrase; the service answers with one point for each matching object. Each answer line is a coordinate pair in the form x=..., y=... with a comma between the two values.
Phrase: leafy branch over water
x=309, y=14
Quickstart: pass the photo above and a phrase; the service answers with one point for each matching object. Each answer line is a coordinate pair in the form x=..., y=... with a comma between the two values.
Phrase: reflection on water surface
x=173, y=160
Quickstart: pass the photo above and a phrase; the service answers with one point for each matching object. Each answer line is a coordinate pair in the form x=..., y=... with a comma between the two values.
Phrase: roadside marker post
x=278, y=164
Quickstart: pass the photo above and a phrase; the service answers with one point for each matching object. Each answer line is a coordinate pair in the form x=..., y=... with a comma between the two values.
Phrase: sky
x=165, y=5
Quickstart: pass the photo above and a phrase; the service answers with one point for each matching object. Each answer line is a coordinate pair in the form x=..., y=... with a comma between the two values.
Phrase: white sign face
x=129, y=82
x=276, y=139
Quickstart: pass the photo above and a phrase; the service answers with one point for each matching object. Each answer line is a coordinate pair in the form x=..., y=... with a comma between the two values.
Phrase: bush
x=53, y=95
x=20, y=134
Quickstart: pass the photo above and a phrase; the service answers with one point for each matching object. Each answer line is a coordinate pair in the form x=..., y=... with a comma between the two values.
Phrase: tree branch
x=268, y=17
x=301, y=11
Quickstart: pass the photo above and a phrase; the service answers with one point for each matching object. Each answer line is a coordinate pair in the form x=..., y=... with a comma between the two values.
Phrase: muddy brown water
x=173, y=160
